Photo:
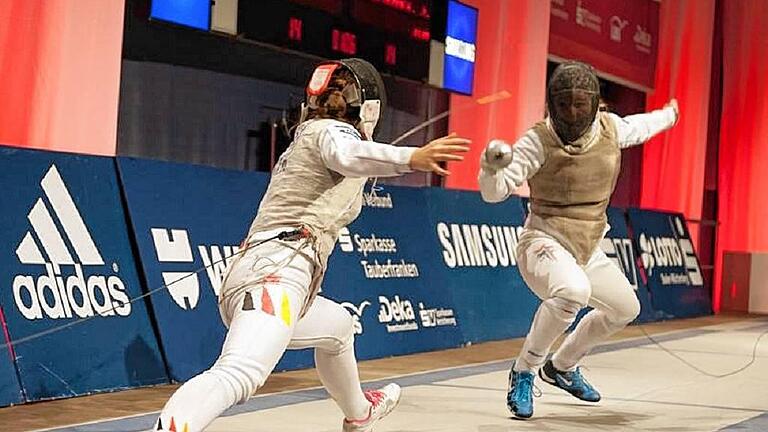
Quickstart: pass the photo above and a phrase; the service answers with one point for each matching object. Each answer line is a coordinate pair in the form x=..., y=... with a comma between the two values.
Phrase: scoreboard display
x=394, y=35
x=431, y=41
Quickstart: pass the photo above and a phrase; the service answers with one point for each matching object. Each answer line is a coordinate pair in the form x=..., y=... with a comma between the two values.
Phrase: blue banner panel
x=474, y=243
x=419, y=270
x=385, y=271
x=184, y=218
x=69, y=260
x=10, y=388
x=669, y=264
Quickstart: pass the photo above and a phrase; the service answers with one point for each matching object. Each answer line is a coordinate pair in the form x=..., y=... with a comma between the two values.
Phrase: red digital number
x=294, y=29
x=390, y=54
x=406, y=6
x=420, y=34
x=401, y=5
x=344, y=42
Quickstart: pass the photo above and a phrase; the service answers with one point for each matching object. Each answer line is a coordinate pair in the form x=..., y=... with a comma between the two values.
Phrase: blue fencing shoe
x=520, y=393
x=571, y=381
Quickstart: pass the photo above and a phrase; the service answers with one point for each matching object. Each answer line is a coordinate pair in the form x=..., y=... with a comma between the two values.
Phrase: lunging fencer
x=571, y=160
x=269, y=298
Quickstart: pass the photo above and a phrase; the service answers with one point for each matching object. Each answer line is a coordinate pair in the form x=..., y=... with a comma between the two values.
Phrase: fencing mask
x=573, y=98
x=357, y=83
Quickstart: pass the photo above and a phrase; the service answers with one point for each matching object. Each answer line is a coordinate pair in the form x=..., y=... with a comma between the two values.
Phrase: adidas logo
x=55, y=294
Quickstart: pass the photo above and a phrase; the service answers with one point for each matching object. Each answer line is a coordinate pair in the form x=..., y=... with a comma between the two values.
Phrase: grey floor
x=644, y=389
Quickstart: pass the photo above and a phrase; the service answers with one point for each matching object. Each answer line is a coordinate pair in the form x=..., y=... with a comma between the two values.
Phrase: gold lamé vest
x=571, y=191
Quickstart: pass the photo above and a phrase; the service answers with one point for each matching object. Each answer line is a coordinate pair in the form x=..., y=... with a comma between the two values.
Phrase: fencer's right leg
x=328, y=328
x=555, y=277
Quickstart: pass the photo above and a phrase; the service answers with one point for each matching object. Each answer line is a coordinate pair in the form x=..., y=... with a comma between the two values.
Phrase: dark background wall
x=198, y=97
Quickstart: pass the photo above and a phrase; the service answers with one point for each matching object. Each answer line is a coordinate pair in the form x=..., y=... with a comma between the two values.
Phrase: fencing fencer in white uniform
x=571, y=161
x=269, y=298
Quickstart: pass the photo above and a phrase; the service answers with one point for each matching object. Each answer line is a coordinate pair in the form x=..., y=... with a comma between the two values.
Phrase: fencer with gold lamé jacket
x=571, y=185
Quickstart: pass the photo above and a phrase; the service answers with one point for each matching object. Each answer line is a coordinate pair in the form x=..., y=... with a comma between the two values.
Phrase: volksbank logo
x=59, y=292
x=373, y=199
x=173, y=246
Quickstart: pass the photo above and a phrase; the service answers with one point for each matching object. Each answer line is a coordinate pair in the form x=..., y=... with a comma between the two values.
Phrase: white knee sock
x=338, y=373
x=552, y=319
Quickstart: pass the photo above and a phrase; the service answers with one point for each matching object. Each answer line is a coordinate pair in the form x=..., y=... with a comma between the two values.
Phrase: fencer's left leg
x=261, y=318
x=328, y=328
x=255, y=342
x=615, y=305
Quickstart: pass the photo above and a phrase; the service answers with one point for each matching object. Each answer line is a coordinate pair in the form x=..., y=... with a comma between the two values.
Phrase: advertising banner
x=68, y=264
x=669, y=264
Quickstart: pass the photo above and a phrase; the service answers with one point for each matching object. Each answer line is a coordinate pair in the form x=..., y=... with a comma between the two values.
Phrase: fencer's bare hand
x=673, y=103
x=447, y=148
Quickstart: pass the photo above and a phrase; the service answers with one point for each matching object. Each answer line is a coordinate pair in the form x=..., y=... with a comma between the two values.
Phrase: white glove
x=497, y=156
x=673, y=104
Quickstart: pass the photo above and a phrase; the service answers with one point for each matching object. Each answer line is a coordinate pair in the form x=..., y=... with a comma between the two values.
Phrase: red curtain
x=743, y=153
x=60, y=69
x=511, y=56
x=674, y=162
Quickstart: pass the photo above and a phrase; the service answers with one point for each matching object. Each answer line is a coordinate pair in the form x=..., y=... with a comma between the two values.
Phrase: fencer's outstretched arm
x=527, y=158
x=639, y=128
x=344, y=151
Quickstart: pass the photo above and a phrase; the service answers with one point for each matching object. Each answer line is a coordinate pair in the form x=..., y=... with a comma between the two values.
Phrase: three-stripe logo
x=57, y=230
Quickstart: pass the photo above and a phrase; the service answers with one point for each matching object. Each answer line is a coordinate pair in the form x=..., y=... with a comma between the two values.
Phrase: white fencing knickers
x=263, y=321
x=565, y=287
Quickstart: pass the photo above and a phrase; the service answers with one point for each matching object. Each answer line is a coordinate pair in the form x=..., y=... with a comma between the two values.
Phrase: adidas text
x=57, y=296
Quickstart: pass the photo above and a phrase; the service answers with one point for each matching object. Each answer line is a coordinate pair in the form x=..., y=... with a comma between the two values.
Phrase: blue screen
x=192, y=13
x=460, y=42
